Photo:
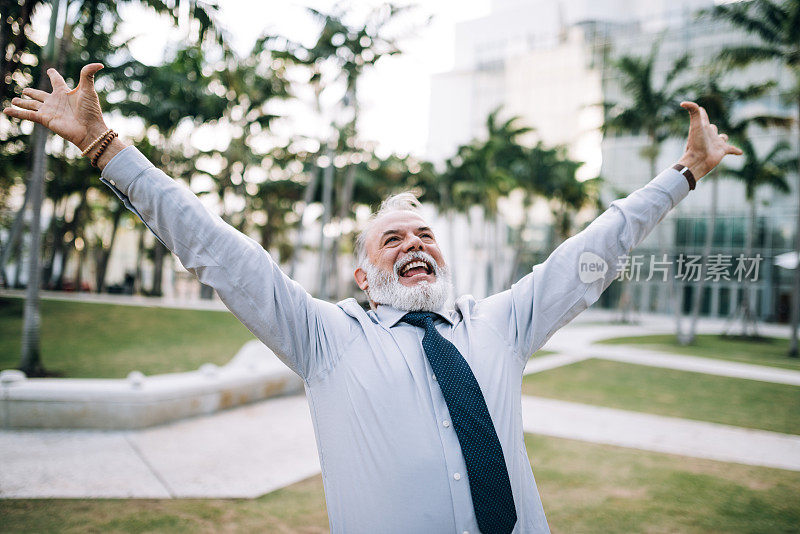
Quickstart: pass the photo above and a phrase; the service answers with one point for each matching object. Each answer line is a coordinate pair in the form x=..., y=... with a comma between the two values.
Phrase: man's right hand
x=73, y=114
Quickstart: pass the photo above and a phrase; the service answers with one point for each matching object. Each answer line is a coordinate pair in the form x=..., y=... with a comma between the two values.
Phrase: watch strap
x=684, y=170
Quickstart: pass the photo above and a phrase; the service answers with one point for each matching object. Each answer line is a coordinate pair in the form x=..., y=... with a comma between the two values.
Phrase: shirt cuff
x=125, y=167
x=673, y=183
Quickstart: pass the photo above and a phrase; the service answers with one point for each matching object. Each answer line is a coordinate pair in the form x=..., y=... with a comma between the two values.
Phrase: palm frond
x=739, y=14
x=740, y=56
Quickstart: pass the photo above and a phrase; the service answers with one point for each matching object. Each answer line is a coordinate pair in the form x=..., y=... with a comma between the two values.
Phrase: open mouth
x=415, y=268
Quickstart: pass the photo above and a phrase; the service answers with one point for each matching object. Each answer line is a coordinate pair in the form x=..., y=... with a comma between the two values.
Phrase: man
x=417, y=415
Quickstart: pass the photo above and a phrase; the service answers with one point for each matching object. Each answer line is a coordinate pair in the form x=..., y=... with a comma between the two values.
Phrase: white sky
x=394, y=97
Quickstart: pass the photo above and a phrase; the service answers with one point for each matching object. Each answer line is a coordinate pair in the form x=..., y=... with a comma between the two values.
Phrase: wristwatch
x=684, y=170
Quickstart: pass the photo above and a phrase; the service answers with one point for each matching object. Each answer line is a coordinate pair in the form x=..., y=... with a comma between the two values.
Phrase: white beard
x=385, y=288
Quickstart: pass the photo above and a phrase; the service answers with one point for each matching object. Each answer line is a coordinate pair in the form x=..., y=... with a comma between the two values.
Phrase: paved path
x=578, y=342
x=250, y=451
x=679, y=362
x=244, y=452
x=659, y=433
x=695, y=364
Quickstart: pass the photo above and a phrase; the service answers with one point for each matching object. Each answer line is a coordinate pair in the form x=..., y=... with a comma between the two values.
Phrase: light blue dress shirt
x=391, y=461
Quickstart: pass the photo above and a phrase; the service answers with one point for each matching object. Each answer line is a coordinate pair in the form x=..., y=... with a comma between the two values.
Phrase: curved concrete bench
x=139, y=401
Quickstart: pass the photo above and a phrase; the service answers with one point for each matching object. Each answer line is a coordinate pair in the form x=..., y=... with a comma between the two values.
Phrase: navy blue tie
x=486, y=467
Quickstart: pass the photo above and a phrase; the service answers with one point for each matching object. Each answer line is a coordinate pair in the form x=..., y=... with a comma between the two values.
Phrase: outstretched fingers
x=24, y=114
x=56, y=80
x=87, y=75
x=696, y=113
x=691, y=107
x=36, y=94
x=26, y=103
x=730, y=149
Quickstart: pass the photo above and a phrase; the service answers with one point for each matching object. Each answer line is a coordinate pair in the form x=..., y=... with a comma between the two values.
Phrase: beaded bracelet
x=95, y=142
x=103, y=146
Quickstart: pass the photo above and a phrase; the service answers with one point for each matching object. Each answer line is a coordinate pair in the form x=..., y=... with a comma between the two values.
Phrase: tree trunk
x=18, y=271
x=59, y=251
x=50, y=246
x=105, y=252
x=78, y=228
x=140, y=252
x=30, y=362
x=501, y=238
x=697, y=296
x=79, y=272
x=308, y=198
x=345, y=199
x=744, y=310
x=13, y=236
x=447, y=205
x=520, y=243
x=158, y=268
x=327, y=198
x=795, y=311
x=346, y=192
x=63, y=259
x=748, y=314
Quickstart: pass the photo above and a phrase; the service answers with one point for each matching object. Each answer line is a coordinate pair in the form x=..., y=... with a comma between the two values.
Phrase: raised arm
x=563, y=286
x=306, y=333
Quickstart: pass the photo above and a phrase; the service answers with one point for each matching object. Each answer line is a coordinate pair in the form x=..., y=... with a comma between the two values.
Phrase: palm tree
x=756, y=172
x=777, y=26
x=164, y=101
x=353, y=49
x=720, y=102
x=481, y=173
x=549, y=173
x=252, y=83
x=652, y=109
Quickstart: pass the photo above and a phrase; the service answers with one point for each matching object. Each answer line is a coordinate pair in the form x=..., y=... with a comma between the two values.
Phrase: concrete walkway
x=257, y=449
x=694, y=364
x=244, y=452
x=659, y=433
x=578, y=341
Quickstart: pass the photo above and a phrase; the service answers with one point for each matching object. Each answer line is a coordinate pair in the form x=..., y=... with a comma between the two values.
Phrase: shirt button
x=445, y=424
x=465, y=532
x=457, y=476
x=112, y=182
x=433, y=376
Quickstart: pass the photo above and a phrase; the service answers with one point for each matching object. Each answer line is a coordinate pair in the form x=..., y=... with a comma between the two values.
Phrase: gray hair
x=405, y=201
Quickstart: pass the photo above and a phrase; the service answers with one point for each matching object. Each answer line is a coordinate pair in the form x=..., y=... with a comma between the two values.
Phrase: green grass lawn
x=766, y=351
x=106, y=341
x=732, y=401
x=584, y=488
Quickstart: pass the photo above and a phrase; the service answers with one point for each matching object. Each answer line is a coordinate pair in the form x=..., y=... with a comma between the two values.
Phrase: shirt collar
x=390, y=316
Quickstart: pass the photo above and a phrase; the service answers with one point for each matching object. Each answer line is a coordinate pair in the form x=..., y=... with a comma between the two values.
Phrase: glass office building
x=550, y=63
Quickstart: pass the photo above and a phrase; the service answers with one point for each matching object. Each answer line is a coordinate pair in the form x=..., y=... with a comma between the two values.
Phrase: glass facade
x=550, y=63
